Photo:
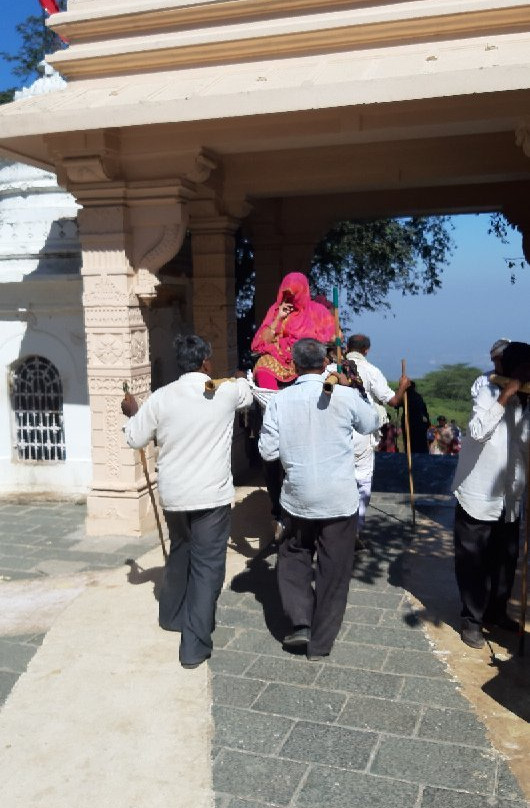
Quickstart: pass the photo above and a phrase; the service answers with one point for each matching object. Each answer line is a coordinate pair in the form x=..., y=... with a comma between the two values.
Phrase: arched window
x=38, y=408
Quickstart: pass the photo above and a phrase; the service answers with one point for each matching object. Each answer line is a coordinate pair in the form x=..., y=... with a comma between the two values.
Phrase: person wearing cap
x=488, y=485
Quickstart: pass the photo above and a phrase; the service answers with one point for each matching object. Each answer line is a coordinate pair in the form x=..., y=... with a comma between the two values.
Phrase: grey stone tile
x=235, y=803
x=14, y=657
x=434, y=692
x=230, y=598
x=250, y=602
x=329, y=745
x=442, y=798
x=257, y=642
x=507, y=785
x=230, y=616
x=436, y=764
x=235, y=691
x=403, y=618
x=15, y=575
x=7, y=680
x=380, y=715
x=389, y=637
x=332, y=788
x=421, y=663
x=368, y=576
x=363, y=614
x=222, y=636
x=375, y=599
x=227, y=661
x=355, y=655
x=260, y=778
x=16, y=564
x=299, y=702
x=454, y=726
x=289, y=670
x=248, y=730
x=369, y=683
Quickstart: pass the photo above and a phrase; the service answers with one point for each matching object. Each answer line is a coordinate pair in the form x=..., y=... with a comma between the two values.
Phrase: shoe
x=316, y=657
x=472, y=636
x=300, y=636
x=190, y=666
x=503, y=622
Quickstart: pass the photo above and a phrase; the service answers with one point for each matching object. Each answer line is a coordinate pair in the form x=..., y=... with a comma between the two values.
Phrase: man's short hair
x=358, y=342
x=498, y=347
x=190, y=352
x=515, y=361
x=308, y=354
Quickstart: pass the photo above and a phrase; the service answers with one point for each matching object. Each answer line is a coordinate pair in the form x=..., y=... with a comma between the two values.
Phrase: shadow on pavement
x=138, y=575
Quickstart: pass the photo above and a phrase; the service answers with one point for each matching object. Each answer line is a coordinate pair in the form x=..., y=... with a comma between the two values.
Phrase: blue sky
x=476, y=305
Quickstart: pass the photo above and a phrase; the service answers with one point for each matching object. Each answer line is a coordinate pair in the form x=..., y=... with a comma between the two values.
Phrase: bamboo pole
x=524, y=581
x=409, y=453
x=338, y=342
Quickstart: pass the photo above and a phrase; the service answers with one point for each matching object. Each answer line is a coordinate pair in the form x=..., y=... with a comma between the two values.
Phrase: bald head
x=359, y=343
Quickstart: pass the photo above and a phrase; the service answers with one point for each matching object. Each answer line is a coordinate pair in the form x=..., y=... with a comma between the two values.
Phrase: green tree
x=370, y=259
x=450, y=382
x=36, y=41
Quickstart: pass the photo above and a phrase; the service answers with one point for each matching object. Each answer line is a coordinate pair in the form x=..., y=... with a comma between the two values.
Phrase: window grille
x=38, y=407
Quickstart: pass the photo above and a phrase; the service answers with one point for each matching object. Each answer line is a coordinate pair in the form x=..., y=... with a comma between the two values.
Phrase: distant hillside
x=447, y=392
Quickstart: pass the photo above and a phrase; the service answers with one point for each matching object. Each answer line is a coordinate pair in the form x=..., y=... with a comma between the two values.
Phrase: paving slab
x=386, y=720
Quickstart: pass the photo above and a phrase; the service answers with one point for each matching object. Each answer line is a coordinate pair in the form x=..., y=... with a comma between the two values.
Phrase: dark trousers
x=485, y=563
x=193, y=577
x=274, y=474
x=333, y=541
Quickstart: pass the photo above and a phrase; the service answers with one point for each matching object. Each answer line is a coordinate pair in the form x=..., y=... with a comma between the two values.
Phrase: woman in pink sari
x=292, y=317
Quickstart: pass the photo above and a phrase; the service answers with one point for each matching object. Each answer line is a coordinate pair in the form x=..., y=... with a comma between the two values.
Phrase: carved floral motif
x=138, y=347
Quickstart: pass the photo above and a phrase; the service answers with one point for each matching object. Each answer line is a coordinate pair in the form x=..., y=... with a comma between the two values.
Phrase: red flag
x=50, y=6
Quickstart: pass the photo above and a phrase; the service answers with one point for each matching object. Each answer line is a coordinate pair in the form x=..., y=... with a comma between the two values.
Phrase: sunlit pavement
x=400, y=714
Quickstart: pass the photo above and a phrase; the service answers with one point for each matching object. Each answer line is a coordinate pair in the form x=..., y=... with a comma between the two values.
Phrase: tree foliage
x=37, y=40
x=450, y=382
x=370, y=259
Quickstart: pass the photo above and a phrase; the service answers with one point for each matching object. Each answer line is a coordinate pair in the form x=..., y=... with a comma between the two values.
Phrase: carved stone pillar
x=117, y=352
x=214, y=308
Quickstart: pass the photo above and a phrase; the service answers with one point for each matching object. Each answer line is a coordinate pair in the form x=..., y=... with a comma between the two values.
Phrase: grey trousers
x=193, y=577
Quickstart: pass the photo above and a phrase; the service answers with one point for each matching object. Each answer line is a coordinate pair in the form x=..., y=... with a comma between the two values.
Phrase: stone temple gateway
x=189, y=117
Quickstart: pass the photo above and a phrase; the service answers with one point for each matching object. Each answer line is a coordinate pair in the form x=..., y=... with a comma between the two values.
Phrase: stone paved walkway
x=379, y=723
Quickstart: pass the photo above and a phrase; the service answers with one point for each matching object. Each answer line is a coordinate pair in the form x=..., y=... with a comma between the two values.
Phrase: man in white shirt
x=380, y=393
x=311, y=433
x=193, y=430
x=488, y=485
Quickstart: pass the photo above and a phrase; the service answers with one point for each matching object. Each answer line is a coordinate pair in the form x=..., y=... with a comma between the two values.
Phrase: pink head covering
x=308, y=319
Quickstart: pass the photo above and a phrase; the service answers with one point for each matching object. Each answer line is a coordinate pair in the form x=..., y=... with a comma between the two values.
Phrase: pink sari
x=308, y=319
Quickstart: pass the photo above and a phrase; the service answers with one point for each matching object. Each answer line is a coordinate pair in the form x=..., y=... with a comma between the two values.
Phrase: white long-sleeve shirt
x=492, y=462
x=193, y=430
x=311, y=433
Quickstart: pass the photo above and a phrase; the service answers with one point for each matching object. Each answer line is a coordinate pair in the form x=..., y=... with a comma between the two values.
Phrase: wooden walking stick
x=333, y=378
x=143, y=461
x=409, y=453
x=524, y=581
x=338, y=341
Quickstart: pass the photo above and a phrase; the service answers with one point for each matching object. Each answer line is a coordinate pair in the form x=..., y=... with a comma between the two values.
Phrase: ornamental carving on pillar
x=103, y=292
x=138, y=347
x=112, y=433
x=105, y=349
x=106, y=385
x=89, y=168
